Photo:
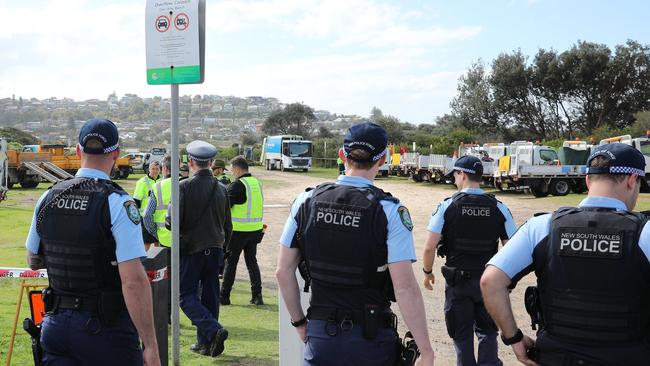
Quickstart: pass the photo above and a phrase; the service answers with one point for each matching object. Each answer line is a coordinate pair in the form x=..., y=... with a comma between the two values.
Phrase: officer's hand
x=151, y=357
x=425, y=360
x=429, y=280
x=520, y=349
x=302, y=332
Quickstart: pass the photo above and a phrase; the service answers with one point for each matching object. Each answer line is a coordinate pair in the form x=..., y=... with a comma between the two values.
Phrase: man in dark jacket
x=205, y=227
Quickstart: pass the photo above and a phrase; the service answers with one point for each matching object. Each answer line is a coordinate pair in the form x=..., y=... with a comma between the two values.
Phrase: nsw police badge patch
x=132, y=212
x=405, y=216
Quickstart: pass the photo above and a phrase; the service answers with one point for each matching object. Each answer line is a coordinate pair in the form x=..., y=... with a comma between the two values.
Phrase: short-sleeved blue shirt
x=400, y=239
x=517, y=255
x=128, y=236
x=437, y=220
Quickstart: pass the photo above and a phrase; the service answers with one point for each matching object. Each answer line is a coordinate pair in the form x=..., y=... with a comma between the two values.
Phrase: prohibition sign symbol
x=182, y=21
x=162, y=24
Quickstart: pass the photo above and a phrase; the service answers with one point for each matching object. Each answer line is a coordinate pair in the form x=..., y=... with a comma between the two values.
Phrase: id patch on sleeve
x=132, y=212
x=405, y=216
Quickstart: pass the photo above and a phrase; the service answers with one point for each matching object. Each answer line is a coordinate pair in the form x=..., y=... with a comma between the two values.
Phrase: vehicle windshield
x=645, y=147
x=158, y=151
x=299, y=149
x=548, y=155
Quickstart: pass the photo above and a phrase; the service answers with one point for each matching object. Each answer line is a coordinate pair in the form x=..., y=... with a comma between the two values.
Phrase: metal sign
x=175, y=41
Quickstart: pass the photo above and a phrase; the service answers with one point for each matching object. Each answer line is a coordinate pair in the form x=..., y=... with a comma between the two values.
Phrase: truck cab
x=287, y=152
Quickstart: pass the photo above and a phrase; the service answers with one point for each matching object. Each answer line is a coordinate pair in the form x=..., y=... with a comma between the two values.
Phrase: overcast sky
x=345, y=56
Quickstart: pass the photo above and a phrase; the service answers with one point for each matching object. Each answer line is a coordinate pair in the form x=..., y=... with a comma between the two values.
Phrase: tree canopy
x=294, y=119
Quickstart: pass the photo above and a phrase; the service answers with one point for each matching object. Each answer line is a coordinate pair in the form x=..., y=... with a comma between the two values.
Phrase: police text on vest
x=591, y=244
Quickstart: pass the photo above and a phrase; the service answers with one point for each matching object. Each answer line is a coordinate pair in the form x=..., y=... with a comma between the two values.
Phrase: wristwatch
x=427, y=272
x=514, y=339
x=300, y=322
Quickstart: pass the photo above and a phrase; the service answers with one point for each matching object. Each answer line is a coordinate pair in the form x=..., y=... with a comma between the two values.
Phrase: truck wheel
x=124, y=173
x=115, y=174
x=268, y=165
x=29, y=183
x=416, y=177
x=560, y=187
x=145, y=168
x=538, y=192
x=282, y=167
x=579, y=187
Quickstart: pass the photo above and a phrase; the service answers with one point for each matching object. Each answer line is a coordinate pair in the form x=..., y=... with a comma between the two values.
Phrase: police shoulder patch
x=405, y=216
x=132, y=212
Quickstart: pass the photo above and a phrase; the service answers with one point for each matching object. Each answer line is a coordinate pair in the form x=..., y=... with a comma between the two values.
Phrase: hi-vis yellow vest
x=162, y=192
x=248, y=216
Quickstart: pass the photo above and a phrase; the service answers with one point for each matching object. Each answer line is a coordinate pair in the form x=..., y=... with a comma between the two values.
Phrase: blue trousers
x=348, y=347
x=201, y=269
x=465, y=315
x=72, y=337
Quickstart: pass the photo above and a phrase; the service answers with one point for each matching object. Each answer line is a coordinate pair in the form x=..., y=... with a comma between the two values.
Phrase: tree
x=294, y=119
x=474, y=103
x=325, y=133
x=393, y=127
x=248, y=139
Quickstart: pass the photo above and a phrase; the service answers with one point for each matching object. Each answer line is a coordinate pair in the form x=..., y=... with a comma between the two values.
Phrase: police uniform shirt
x=516, y=258
x=127, y=234
x=437, y=220
x=400, y=239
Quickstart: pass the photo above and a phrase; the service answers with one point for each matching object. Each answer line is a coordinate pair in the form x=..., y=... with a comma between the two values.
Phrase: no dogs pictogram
x=162, y=24
x=182, y=21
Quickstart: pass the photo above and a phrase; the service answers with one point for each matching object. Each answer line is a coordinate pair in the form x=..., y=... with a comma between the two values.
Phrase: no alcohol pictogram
x=182, y=21
x=162, y=24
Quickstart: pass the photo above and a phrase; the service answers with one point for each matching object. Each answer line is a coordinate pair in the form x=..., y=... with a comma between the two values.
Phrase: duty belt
x=347, y=318
x=554, y=358
x=76, y=303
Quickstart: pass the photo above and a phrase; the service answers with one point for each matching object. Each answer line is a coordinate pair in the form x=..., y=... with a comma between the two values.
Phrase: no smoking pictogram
x=182, y=21
x=162, y=24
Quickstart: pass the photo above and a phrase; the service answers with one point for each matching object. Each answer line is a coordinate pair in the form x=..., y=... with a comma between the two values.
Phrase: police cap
x=201, y=151
x=102, y=131
x=468, y=164
x=369, y=137
x=622, y=158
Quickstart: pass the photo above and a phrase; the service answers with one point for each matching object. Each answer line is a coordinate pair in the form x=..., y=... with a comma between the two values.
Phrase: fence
x=325, y=162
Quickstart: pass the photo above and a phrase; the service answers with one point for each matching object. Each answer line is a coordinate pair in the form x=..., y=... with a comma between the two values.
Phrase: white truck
x=640, y=143
x=286, y=152
x=489, y=154
x=538, y=168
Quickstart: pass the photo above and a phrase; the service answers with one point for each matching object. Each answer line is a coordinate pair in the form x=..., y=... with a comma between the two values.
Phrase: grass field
x=253, y=331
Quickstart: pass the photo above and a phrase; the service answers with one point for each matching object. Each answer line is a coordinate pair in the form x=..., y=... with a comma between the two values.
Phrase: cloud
x=344, y=56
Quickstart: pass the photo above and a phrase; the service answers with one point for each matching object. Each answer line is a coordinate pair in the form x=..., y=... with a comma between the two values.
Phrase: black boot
x=224, y=298
x=257, y=299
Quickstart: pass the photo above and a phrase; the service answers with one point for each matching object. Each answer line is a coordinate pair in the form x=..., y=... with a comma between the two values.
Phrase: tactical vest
x=593, y=279
x=248, y=216
x=473, y=225
x=162, y=192
x=74, y=224
x=342, y=234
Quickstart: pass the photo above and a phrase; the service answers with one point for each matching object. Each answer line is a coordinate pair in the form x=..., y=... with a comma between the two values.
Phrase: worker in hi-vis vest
x=156, y=210
x=246, y=202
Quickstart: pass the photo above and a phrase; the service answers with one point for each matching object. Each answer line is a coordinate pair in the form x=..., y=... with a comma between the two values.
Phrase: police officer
x=205, y=227
x=467, y=251
x=357, y=244
x=141, y=194
x=218, y=168
x=247, y=208
x=86, y=232
x=156, y=211
x=593, y=274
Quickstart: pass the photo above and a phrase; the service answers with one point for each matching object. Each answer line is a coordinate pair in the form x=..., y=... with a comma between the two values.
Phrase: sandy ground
x=421, y=199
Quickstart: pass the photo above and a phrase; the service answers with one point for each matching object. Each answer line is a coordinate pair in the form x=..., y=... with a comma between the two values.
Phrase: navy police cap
x=468, y=164
x=101, y=130
x=201, y=151
x=622, y=158
x=369, y=137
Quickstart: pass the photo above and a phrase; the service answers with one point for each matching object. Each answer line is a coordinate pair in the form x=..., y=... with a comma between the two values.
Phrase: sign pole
x=175, y=227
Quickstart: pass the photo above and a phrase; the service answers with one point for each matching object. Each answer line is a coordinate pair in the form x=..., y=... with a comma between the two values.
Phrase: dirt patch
x=421, y=200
